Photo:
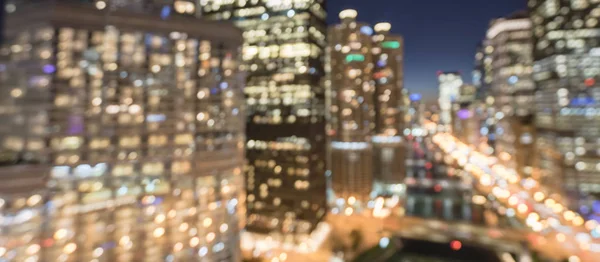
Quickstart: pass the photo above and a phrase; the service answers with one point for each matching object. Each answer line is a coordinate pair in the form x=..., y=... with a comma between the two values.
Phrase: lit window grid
x=514, y=62
x=366, y=99
x=352, y=110
x=75, y=143
x=352, y=113
x=288, y=106
x=391, y=98
x=555, y=51
x=513, y=89
x=283, y=167
x=449, y=86
x=283, y=89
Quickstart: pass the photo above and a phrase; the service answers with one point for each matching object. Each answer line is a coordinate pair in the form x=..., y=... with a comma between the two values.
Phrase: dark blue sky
x=438, y=34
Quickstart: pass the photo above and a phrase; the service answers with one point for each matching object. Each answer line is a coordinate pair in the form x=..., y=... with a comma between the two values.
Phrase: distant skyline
x=438, y=34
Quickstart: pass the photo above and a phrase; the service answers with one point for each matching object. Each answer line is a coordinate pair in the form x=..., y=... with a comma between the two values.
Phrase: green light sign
x=391, y=44
x=354, y=57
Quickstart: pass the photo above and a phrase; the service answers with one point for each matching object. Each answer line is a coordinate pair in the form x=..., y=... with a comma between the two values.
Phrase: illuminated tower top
x=388, y=74
x=348, y=14
x=383, y=28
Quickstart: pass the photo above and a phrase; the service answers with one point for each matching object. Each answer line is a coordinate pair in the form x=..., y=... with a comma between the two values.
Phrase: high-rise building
x=512, y=89
x=368, y=105
x=416, y=111
x=482, y=72
x=122, y=134
x=464, y=121
x=478, y=74
x=283, y=57
x=567, y=63
x=352, y=117
x=467, y=94
x=391, y=103
x=450, y=83
x=484, y=112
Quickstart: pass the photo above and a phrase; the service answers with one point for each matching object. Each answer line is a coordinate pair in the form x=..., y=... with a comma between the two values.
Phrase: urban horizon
x=280, y=130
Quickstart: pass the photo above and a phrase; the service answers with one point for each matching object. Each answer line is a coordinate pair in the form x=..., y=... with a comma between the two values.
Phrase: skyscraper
x=368, y=107
x=484, y=111
x=391, y=103
x=450, y=83
x=352, y=119
x=512, y=88
x=479, y=72
x=133, y=116
x=284, y=46
x=464, y=122
x=416, y=111
x=567, y=111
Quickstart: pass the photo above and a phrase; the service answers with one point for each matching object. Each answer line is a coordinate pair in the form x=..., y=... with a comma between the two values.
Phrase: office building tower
x=368, y=105
x=283, y=58
x=567, y=93
x=478, y=74
x=134, y=118
x=449, y=90
x=484, y=111
x=391, y=102
x=482, y=72
x=352, y=117
x=467, y=94
x=416, y=111
x=464, y=122
x=512, y=89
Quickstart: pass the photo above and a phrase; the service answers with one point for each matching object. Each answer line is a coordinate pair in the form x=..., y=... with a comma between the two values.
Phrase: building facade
x=283, y=58
x=352, y=111
x=482, y=76
x=464, y=119
x=449, y=90
x=484, y=111
x=416, y=111
x=391, y=106
x=133, y=119
x=368, y=105
x=512, y=89
x=566, y=35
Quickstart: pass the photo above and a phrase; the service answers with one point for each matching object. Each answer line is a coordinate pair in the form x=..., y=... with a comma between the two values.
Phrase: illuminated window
x=294, y=50
x=153, y=168
x=60, y=171
x=184, y=139
x=184, y=7
x=129, y=141
x=98, y=143
x=181, y=167
x=355, y=57
x=157, y=140
x=391, y=44
x=62, y=100
x=123, y=170
x=301, y=185
x=66, y=143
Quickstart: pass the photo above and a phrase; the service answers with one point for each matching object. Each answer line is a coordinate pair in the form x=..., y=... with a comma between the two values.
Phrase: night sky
x=438, y=34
